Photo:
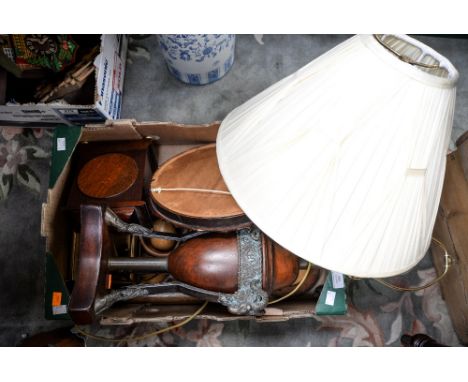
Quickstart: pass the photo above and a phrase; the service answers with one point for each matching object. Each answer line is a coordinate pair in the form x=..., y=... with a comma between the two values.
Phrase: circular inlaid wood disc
x=107, y=175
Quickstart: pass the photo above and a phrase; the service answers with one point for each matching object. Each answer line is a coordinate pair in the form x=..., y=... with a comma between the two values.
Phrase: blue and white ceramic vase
x=198, y=59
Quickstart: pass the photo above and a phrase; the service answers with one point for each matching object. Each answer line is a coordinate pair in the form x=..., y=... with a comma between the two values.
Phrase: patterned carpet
x=377, y=315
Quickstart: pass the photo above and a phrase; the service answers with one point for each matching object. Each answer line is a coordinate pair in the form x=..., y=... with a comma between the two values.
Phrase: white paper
x=330, y=299
x=61, y=309
x=337, y=280
x=61, y=144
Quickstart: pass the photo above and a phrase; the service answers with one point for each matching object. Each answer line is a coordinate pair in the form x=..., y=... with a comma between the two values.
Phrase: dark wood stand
x=115, y=174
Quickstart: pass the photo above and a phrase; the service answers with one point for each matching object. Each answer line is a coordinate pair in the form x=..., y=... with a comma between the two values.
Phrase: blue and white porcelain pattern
x=198, y=59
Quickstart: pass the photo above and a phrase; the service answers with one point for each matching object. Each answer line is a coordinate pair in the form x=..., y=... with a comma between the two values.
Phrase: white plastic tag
x=61, y=144
x=337, y=280
x=330, y=298
x=61, y=309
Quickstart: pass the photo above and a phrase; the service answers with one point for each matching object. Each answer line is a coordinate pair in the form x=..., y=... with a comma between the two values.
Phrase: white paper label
x=61, y=144
x=330, y=299
x=337, y=280
x=61, y=309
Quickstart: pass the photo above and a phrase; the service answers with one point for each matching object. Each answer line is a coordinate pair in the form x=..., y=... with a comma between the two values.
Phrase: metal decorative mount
x=138, y=230
x=105, y=302
x=250, y=298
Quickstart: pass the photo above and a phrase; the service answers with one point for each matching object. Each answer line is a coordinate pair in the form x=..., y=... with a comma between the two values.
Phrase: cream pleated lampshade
x=342, y=162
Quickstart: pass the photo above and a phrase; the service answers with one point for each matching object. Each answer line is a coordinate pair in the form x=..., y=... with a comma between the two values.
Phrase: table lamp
x=342, y=162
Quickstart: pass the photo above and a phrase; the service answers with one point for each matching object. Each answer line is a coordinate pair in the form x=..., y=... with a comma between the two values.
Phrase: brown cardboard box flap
x=139, y=313
x=120, y=130
x=452, y=229
x=168, y=133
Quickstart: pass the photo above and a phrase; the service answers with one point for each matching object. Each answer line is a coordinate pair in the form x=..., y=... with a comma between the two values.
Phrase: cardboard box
x=108, y=89
x=451, y=228
x=171, y=139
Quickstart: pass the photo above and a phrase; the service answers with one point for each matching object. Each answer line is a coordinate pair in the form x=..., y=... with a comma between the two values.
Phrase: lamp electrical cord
x=448, y=263
x=147, y=335
x=309, y=266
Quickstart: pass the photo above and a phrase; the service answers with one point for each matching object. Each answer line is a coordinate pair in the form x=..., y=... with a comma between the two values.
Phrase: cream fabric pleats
x=342, y=162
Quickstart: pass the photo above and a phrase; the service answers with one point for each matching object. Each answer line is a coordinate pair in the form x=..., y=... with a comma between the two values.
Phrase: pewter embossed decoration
x=138, y=230
x=250, y=298
x=105, y=302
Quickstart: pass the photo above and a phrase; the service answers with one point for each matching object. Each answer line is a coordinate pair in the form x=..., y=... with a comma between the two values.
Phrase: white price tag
x=61, y=144
x=330, y=298
x=337, y=280
x=61, y=309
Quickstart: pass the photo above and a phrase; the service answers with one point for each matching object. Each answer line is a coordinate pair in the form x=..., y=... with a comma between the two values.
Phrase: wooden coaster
x=107, y=175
